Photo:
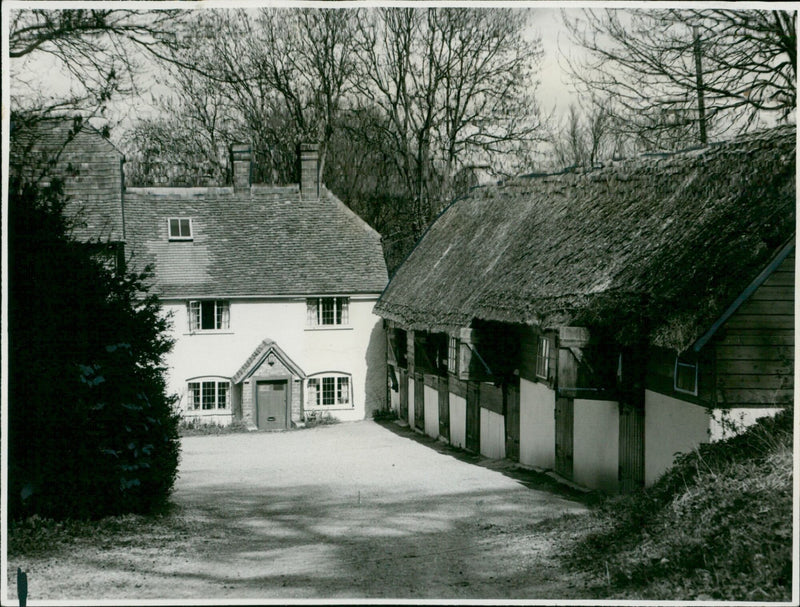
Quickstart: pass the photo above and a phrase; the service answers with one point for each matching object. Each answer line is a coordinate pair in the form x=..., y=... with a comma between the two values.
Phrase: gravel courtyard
x=359, y=510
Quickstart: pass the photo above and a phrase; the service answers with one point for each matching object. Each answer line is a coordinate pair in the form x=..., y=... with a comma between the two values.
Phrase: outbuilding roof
x=87, y=162
x=260, y=242
x=659, y=244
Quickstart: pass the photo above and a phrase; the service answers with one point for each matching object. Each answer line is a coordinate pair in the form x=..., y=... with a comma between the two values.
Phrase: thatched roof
x=660, y=244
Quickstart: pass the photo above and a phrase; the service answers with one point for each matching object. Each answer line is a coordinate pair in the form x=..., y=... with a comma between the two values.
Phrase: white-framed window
x=327, y=311
x=209, y=315
x=206, y=394
x=328, y=390
x=452, y=355
x=685, y=377
x=543, y=357
x=180, y=228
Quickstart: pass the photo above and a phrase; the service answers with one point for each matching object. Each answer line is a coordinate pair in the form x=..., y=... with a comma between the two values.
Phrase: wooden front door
x=631, y=447
x=564, y=432
x=473, y=429
x=271, y=402
x=402, y=378
x=512, y=421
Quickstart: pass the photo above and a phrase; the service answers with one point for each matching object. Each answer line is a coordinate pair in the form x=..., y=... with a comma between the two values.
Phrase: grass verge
x=716, y=526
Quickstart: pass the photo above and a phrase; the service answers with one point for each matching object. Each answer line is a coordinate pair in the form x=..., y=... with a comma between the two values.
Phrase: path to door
x=354, y=510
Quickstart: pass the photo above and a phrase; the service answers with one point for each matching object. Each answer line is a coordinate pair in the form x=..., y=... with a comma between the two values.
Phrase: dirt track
x=347, y=511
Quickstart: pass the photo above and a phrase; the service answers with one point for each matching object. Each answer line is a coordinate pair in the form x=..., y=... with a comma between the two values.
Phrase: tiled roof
x=661, y=242
x=257, y=357
x=89, y=164
x=265, y=241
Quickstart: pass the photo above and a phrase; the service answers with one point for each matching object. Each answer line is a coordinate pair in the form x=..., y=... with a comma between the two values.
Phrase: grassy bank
x=718, y=525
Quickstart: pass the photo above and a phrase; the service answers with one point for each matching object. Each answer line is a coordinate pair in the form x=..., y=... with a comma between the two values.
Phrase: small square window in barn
x=180, y=228
x=452, y=355
x=542, y=357
x=685, y=376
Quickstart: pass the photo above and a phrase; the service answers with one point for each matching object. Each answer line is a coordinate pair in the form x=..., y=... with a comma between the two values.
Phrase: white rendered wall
x=458, y=421
x=595, y=445
x=431, y=412
x=493, y=434
x=411, y=401
x=537, y=426
x=729, y=422
x=357, y=350
x=670, y=426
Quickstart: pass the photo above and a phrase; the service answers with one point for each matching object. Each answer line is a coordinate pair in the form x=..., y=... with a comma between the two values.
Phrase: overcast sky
x=43, y=73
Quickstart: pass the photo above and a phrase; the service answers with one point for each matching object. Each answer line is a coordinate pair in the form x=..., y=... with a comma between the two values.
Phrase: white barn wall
x=537, y=426
x=431, y=413
x=458, y=420
x=670, y=426
x=595, y=448
x=358, y=349
x=739, y=416
x=493, y=434
x=394, y=399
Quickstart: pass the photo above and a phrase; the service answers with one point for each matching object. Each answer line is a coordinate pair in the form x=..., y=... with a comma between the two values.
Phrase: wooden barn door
x=631, y=447
x=402, y=375
x=512, y=421
x=564, y=425
x=444, y=408
x=419, y=401
x=473, y=429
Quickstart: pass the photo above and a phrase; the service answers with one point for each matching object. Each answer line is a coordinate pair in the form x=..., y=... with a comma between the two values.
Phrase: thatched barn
x=597, y=322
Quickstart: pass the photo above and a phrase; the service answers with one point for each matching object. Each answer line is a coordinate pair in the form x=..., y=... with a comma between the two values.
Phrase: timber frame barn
x=598, y=322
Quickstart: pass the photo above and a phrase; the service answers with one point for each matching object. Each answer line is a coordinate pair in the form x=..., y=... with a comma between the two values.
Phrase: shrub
x=717, y=525
x=91, y=428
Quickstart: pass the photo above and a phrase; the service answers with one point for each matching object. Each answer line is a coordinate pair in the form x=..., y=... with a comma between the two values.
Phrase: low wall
x=595, y=446
x=431, y=412
x=537, y=426
x=671, y=426
x=729, y=422
x=458, y=421
x=493, y=434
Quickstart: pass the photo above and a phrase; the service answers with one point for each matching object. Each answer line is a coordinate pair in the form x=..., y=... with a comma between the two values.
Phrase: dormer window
x=180, y=228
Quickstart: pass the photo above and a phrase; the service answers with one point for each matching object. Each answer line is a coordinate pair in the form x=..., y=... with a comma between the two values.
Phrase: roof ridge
x=641, y=159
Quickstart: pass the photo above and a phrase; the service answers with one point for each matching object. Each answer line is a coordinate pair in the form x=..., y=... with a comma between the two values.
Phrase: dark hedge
x=92, y=431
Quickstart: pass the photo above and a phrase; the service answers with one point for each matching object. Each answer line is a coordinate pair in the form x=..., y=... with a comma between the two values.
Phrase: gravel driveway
x=360, y=510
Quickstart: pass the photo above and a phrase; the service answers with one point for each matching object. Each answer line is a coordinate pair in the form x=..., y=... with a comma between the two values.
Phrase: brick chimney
x=240, y=160
x=308, y=156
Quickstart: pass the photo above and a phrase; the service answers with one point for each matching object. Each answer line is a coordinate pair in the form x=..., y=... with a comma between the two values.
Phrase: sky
x=554, y=93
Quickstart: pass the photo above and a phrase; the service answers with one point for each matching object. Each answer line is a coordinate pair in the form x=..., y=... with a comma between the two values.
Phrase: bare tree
x=454, y=86
x=99, y=48
x=668, y=75
x=584, y=139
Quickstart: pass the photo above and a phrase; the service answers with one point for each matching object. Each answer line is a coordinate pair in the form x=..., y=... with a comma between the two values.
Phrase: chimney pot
x=241, y=157
x=308, y=156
